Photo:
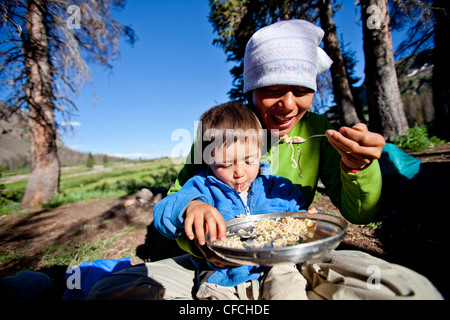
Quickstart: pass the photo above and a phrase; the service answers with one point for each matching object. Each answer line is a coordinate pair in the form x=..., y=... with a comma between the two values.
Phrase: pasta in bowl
x=277, y=232
x=269, y=239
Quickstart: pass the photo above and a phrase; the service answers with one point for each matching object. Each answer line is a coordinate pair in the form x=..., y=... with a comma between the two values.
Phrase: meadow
x=86, y=220
x=79, y=182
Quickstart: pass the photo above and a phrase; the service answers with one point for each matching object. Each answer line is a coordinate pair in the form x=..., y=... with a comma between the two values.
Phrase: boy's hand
x=212, y=257
x=312, y=210
x=204, y=218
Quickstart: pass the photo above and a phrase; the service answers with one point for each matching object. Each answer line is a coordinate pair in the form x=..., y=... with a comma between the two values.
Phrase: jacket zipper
x=247, y=210
x=246, y=207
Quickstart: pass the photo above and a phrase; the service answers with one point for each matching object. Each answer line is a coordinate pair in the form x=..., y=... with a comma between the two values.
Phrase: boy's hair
x=226, y=124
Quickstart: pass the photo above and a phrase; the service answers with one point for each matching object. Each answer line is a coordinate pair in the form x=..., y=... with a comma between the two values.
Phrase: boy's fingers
x=199, y=233
x=210, y=226
x=222, y=234
x=188, y=228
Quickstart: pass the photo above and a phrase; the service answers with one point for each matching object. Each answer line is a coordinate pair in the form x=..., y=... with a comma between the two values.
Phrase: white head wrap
x=285, y=53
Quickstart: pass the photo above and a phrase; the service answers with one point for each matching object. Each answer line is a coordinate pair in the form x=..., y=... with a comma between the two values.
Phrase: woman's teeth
x=282, y=119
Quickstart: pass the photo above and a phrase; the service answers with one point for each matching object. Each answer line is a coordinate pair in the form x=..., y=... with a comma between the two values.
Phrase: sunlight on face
x=282, y=106
x=237, y=165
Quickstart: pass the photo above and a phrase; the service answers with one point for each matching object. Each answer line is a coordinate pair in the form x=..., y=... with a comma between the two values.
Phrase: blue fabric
x=394, y=161
x=232, y=276
x=267, y=194
x=25, y=285
x=264, y=169
x=90, y=273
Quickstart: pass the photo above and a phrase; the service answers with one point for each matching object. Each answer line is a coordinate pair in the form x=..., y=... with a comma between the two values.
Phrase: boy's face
x=238, y=164
x=281, y=106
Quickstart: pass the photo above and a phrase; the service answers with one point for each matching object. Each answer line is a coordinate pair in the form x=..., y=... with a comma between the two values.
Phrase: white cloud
x=157, y=147
x=137, y=155
x=74, y=147
x=70, y=123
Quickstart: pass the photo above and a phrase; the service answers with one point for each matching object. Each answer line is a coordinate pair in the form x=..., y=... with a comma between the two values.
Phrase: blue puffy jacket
x=267, y=194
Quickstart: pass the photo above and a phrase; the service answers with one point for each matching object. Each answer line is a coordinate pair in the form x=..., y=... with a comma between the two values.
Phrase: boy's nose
x=238, y=171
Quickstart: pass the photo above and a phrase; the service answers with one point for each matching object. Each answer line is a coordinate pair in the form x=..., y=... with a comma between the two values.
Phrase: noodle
x=288, y=141
x=288, y=231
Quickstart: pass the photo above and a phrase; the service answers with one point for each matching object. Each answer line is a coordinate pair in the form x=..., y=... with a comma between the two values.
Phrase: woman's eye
x=272, y=89
x=301, y=91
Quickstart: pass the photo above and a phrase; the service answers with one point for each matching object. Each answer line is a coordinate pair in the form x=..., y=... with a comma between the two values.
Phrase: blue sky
x=148, y=104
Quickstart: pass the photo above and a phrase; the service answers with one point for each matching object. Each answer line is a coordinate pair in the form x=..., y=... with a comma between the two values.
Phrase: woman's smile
x=282, y=121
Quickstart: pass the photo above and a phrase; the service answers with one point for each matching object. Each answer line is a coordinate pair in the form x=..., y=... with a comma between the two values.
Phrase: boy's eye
x=252, y=160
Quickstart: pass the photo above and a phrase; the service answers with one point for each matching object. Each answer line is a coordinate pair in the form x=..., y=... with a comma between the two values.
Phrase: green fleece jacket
x=356, y=195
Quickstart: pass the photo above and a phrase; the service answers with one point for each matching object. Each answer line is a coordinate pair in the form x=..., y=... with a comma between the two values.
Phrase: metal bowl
x=330, y=230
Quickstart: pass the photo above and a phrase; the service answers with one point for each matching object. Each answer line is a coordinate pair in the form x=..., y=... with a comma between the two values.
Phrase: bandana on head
x=285, y=53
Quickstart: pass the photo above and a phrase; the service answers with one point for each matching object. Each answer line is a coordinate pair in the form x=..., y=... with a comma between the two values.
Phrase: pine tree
x=43, y=50
x=386, y=114
x=105, y=160
x=90, y=161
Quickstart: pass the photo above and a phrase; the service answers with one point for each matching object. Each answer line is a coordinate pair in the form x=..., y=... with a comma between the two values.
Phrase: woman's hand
x=201, y=218
x=357, y=145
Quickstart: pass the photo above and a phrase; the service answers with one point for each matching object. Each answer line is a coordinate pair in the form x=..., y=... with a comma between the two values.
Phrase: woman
x=280, y=68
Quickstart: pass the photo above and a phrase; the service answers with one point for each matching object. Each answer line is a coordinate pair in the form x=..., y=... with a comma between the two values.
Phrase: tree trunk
x=441, y=69
x=45, y=169
x=341, y=87
x=386, y=113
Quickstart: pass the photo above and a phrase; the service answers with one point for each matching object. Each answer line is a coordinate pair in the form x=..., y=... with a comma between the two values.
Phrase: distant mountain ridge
x=415, y=74
x=15, y=142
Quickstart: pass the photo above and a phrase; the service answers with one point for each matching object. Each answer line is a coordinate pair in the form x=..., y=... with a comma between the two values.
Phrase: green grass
x=76, y=253
x=9, y=255
x=416, y=139
x=80, y=195
x=10, y=173
x=116, y=180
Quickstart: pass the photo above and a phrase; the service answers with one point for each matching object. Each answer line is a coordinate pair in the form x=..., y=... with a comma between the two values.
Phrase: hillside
x=415, y=74
x=15, y=142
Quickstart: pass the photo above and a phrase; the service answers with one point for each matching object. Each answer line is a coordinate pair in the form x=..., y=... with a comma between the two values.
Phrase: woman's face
x=282, y=106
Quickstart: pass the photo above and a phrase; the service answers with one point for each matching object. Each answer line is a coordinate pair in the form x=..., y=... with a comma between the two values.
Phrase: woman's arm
x=360, y=174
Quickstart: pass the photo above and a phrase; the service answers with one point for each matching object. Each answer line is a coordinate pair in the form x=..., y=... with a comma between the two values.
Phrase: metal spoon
x=304, y=140
x=246, y=233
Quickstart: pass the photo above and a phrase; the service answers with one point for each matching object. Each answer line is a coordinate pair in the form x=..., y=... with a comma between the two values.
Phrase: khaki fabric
x=339, y=275
x=284, y=282
x=168, y=279
x=281, y=282
x=353, y=275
